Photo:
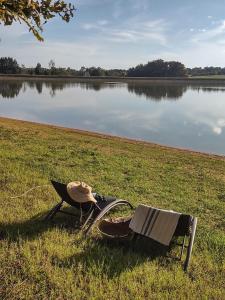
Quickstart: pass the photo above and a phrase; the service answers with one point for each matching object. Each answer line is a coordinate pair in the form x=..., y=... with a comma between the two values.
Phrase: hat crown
x=80, y=192
x=83, y=188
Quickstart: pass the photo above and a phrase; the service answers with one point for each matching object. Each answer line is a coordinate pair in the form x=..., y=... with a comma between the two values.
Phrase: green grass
x=52, y=260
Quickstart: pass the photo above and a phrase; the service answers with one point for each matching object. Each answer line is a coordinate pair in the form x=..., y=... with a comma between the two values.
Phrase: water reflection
x=210, y=89
x=196, y=121
x=156, y=91
x=10, y=89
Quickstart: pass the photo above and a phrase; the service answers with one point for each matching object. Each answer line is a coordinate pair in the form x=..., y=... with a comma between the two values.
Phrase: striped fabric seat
x=155, y=223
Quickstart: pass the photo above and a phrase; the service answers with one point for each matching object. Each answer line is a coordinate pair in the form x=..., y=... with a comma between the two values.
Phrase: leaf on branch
x=34, y=13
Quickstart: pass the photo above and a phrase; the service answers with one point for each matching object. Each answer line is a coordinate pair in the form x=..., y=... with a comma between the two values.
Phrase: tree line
x=155, y=68
x=158, y=68
x=197, y=71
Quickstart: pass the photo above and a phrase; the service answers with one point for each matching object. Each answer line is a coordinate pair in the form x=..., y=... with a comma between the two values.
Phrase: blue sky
x=124, y=33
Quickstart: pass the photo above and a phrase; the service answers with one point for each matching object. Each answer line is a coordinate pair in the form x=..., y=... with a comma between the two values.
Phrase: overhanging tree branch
x=34, y=13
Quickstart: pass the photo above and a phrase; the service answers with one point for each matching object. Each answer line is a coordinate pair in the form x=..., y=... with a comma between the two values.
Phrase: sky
x=124, y=33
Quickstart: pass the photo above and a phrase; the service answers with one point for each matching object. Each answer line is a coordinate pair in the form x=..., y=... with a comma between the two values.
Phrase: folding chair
x=186, y=228
x=92, y=210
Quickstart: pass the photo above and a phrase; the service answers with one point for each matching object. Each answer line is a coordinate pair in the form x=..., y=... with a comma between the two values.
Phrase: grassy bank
x=52, y=261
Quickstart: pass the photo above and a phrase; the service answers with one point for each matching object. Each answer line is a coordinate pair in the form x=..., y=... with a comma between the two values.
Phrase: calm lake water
x=179, y=114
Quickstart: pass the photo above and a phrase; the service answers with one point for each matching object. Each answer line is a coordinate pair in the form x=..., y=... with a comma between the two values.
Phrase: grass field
x=52, y=260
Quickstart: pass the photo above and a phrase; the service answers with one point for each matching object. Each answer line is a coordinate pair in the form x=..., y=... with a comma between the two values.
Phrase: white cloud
x=102, y=22
x=206, y=35
x=202, y=48
x=88, y=26
x=154, y=31
x=202, y=30
x=217, y=130
x=99, y=25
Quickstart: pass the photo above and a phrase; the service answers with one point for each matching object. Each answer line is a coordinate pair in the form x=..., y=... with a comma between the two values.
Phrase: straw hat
x=80, y=192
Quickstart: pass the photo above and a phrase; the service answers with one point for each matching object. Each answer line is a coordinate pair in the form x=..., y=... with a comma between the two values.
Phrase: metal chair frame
x=186, y=228
x=94, y=211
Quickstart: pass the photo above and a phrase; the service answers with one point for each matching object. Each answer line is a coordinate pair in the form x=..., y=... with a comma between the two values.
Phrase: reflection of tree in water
x=51, y=85
x=55, y=86
x=171, y=91
x=10, y=88
x=209, y=89
x=157, y=92
x=38, y=85
x=59, y=85
x=96, y=86
x=100, y=85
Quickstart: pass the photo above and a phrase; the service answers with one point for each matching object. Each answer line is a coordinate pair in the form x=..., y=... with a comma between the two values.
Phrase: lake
x=176, y=113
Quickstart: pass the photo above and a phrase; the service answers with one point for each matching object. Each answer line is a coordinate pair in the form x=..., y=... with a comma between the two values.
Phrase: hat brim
x=81, y=197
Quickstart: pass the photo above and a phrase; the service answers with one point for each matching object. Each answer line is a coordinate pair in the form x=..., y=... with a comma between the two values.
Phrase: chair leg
x=53, y=211
x=88, y=219
x=182, y=249
x=190, y=244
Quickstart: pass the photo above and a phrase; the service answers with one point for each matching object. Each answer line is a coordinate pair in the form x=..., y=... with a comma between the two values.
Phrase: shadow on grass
x=35, y=226
x=111, y=257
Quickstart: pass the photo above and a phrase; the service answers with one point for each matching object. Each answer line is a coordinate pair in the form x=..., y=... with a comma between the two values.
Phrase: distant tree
x=34, y=13
x=198, y=71
x=116, y=73
x=82, y=70
x=8, y=65
x=176, y=68
x=96, y=71
x=30, y=71
x=38, y=69
x=158, y=68
x=51, y=65
x=23, y=69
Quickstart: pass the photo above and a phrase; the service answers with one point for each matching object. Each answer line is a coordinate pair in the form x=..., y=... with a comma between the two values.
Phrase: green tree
x=34, y=13
x=8, y=65
x=51, y=65
x=176, y=68
x=158, y=68
x=38, y=69
x=96, y=71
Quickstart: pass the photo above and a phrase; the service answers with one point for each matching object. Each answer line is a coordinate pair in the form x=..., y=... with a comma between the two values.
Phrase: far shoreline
x=114, y=138
x=109, y=78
